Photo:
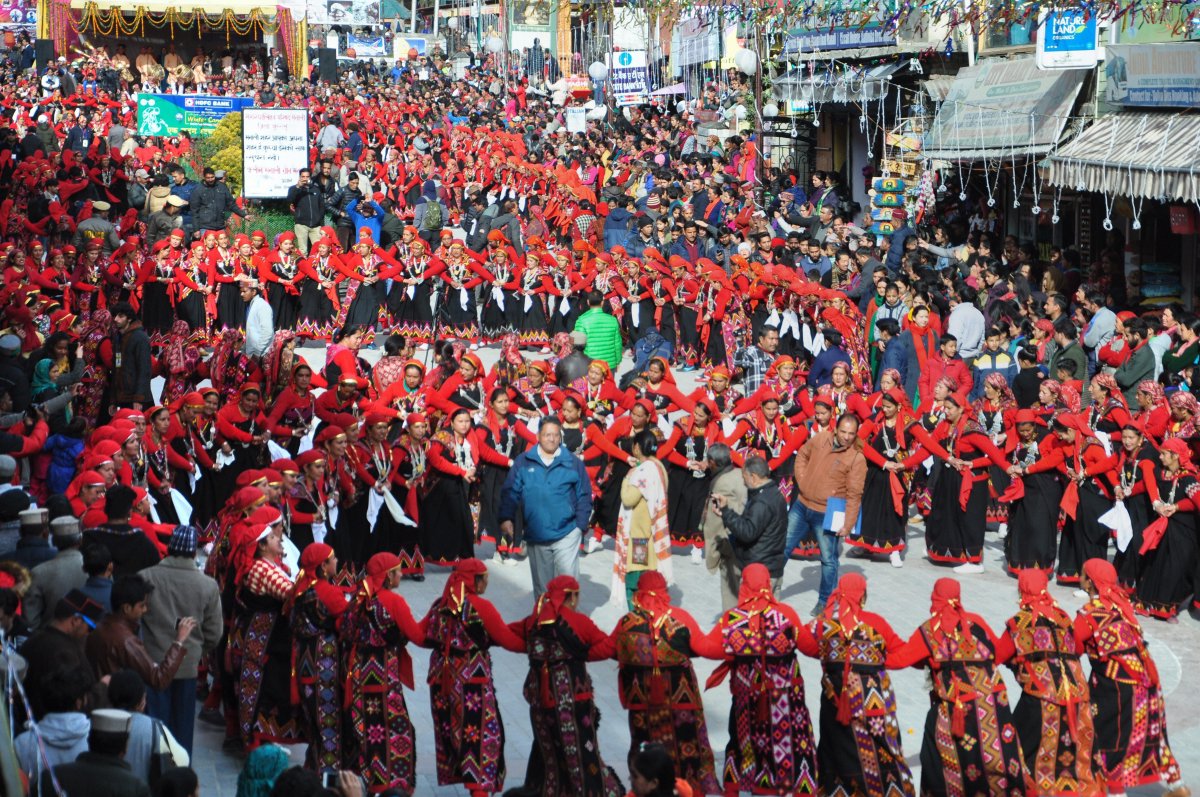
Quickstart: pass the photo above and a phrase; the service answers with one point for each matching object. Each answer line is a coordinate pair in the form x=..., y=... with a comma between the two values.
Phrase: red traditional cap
x=285, y=466
x=310, y=457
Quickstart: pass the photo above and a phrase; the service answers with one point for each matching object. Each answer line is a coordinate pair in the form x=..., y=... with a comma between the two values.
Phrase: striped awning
x=1149, y=155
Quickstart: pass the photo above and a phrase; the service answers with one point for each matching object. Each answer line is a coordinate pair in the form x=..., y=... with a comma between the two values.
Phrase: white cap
x=111, y=720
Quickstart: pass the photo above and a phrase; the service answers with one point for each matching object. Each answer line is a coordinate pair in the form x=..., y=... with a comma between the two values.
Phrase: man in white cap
x=162, y=222
x=98, y=227
x=138, y=190
x=101, y=771
x=33, y=547
x=260, y=319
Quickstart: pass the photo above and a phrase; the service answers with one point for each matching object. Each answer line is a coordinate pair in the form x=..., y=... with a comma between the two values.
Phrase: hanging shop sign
x=627, y=78
x=198, y=114
x=1067, y=40
x=1153, y=75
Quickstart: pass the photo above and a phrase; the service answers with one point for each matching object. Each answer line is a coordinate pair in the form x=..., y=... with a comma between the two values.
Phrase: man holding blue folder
x=830, y=471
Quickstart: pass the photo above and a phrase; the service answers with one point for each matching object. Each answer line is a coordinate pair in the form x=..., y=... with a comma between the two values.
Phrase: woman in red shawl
x=771, y=748
x=653, y=648
x=96, y=340
x=315, y=607
x=375, y=632
x=1033, y=494
x=259, y=651
x=1087, y=496
x=1183, y=423
x=468, y=731
x=894, y=448
x=859, y=751
x=919, y=385
x=1169, y=549
x=1126, y=694
x=562, y=709
x=1053, y=717
x=1137, y=458
x=958, y=488
x=178, y=362
x=970, y=744
x=685, y=455
x=1153, y=412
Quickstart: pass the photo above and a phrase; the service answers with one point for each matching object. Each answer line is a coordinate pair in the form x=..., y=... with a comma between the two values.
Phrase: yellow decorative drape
x=115, y=21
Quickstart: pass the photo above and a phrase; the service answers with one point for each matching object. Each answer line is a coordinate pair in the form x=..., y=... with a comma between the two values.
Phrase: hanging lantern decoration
x=746, y=62
x=452, y=23
x=770, y=109
x=887, y=196
x=413, y=54
x=597, y=71
x=495, y=44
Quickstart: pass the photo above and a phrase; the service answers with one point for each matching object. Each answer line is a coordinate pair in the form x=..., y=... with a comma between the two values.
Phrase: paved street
x=901, y=595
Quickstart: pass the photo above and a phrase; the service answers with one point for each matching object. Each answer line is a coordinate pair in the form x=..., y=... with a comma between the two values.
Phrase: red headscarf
x=1108, y=589
x=314, y=555
x=755, y=594
x=1179, y=447
x=652, y=596
x=378, y=567
x=462, y=582
x=550, y=604
x=946, y=608
x=1036, y=598
x=844, y=606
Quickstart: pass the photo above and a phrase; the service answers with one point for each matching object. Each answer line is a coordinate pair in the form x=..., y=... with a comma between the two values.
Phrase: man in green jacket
x=603, y=332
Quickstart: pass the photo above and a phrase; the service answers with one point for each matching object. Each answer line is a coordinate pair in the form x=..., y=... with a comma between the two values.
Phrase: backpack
x=433, y=216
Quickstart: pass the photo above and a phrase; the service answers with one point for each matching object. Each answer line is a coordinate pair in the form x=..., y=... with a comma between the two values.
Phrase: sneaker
x=969, y=568
x=1002, y=532
x=1081, y=593
x=594, y=545
x=894, y=558
x=545, y=350
x=817, y=610
x=697, y=555
x=498, y=558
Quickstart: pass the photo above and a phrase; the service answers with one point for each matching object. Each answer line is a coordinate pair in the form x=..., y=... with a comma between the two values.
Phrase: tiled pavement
x=901, y=595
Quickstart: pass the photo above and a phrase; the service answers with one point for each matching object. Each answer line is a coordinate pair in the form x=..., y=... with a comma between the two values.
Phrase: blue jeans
x=806, y=522
x=175, y=707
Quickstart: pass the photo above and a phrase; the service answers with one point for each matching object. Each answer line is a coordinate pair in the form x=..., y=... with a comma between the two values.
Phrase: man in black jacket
x=758, y=534
x=131, y=349
x=211, y=204
x=337, y=210
x=307, y=202
x=101, y=771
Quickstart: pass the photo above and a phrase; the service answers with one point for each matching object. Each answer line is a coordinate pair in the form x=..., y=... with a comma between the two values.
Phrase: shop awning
x=182, y=6
x=1001, y=109
x=1134, y=155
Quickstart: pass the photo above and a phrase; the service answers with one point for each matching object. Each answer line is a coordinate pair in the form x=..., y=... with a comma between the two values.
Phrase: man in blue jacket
x=549, y=486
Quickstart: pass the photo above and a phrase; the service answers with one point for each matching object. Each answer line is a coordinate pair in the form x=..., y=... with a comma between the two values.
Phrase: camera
x=329, y=780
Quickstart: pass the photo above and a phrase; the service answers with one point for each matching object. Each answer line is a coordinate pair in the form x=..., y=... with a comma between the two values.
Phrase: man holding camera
x=307, y=202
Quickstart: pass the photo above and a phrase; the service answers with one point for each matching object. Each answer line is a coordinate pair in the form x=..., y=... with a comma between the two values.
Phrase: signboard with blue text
x=1067, y=40
x=627, y=78
x=199, y=114
x=1153, y=75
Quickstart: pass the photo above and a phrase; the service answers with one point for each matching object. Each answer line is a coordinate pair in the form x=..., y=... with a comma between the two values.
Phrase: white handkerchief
x=528, y=302
x=1119, y=521
x=463, y=298
x=182, y=508
x=564, y=306
x=319, y=531
x=374, y=503
x=498, y=296
x=410, y=292
x=397, y=512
